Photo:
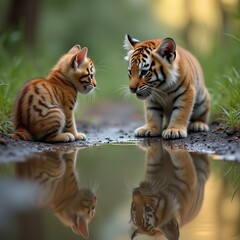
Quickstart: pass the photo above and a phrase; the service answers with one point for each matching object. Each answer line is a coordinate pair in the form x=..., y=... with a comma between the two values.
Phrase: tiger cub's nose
x=133, y=89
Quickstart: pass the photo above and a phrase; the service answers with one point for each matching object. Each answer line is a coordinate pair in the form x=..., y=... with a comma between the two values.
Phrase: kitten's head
x=79, y=211
x=151, y=66
x=79, y=69
x=153, y=213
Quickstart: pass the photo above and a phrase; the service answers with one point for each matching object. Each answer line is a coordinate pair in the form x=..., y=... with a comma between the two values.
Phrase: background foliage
x=34, y=36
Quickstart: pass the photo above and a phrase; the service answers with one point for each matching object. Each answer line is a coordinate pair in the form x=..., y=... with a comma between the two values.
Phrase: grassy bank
x=222, y=78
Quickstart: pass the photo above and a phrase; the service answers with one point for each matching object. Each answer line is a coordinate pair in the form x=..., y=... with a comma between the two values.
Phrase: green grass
x=226, y=99
x=17, y=67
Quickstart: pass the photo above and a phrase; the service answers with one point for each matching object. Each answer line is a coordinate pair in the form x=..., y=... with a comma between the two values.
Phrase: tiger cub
x=171, y=194
x=55, y=175
x=171, y=82
x=44, y=108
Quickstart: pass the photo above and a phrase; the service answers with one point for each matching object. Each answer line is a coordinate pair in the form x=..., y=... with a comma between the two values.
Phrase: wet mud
x=217, y=141
x=116, y=124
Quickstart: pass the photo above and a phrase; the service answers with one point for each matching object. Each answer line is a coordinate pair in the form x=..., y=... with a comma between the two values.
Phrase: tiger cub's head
x=152, y=65
x=78, y=69
x=153, y=213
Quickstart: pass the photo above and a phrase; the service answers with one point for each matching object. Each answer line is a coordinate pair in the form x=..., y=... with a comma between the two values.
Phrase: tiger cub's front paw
x=80, y=136
x=147, y=131
x=174, y=133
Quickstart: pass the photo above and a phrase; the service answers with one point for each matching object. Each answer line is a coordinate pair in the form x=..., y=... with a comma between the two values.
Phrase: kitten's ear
x=167, y=49
x=80, y=57
x=81, y=227
x=129, y=42
x=75, y=49
x=171, y=230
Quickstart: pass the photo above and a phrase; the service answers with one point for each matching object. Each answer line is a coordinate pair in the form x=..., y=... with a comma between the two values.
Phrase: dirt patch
x=116, y=124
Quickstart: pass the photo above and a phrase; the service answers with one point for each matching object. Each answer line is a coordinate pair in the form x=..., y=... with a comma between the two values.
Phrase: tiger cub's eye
x=129, y=72
x=144, y=72
x=148, y=209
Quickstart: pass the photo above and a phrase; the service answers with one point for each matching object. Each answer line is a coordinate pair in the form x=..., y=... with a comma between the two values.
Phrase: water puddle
x=142, y=190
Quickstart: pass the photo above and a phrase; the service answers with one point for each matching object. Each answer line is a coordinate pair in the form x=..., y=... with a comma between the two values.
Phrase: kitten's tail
x=22, y=134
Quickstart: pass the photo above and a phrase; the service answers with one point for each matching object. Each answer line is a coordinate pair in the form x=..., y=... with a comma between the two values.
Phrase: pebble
x=230, y=131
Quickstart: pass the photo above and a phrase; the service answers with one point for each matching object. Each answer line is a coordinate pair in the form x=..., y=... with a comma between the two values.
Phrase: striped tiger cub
x=55, y=176
x=172, y=192
x=44, y=107
x=171, y=82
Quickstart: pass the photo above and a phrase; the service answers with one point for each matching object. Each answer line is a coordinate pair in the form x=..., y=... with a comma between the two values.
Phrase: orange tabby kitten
x=44, y=108
x=55, y=175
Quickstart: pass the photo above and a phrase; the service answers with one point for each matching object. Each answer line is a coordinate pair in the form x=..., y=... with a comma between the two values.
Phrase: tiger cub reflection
x=171, y=194
x=55, y=175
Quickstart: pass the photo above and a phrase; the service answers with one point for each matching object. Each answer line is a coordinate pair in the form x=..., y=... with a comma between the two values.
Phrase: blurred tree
x=23, y=15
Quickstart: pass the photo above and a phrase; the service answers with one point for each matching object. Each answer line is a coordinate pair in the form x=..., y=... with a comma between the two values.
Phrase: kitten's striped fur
x=55, y=175
x=44, y=107
x=170, y=81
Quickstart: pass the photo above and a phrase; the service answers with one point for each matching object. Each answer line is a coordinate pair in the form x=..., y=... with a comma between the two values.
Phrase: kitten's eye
x=83, y=79
x=144, y=72
x=129, y=72
x=148, y=209
x=133, y=208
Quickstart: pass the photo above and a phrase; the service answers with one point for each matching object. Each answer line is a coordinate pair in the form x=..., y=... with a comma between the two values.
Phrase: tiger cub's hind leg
x=53, y=127
x=198, y=126
x=199, y=119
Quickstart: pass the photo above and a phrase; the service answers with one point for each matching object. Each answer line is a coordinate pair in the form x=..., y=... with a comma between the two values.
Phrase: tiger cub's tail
x=22, y=134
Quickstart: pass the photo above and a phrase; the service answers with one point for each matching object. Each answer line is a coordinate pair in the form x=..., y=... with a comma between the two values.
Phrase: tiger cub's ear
x=170, y=230
x=167, y=49
x=75, y=49
x=129, y=42
x=80, y=57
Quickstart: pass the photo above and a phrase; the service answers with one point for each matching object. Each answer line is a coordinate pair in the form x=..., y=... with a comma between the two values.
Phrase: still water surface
x=193, y=195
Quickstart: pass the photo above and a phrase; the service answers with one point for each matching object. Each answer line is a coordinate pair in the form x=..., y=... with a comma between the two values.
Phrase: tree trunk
x=23, y=15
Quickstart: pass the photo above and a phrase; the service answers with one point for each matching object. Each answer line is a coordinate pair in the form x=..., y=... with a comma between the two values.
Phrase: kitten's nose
x=133, y=89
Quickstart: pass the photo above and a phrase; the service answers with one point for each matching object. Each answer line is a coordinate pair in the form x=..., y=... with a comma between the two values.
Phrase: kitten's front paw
x=147, y=131
x=80, y=136
x=174, y=133
x=198, y=126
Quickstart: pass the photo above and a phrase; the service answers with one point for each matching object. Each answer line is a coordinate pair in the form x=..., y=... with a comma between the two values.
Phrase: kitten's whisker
x=94, y=185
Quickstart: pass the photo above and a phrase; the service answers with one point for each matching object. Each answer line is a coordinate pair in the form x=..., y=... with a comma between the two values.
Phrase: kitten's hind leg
x=61, y=137
x=50, y=127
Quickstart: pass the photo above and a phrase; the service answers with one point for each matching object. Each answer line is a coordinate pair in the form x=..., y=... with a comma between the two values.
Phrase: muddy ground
x=116, y=124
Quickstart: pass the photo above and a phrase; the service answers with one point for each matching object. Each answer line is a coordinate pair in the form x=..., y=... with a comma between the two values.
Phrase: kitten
x=44, y=108
x=55, y=176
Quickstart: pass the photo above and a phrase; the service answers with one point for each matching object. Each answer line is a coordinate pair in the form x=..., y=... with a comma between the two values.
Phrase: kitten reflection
x=56, y=176
x=172, y=192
